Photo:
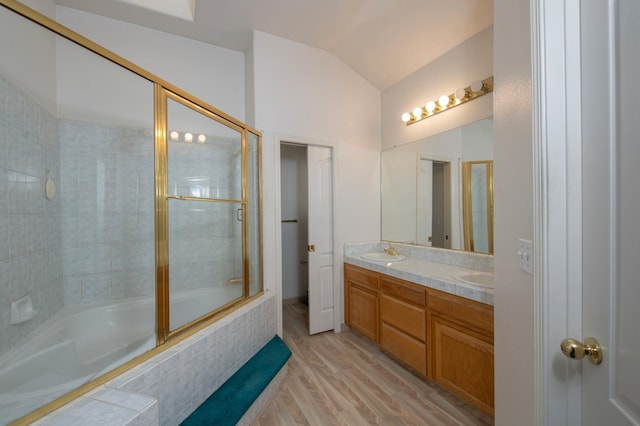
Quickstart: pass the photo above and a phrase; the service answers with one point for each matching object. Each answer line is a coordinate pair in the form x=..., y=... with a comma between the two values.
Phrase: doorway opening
x=306, y=188
x=294, y=213
x=434, y=203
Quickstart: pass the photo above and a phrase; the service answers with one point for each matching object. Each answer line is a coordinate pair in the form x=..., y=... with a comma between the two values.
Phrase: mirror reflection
x=428, y=198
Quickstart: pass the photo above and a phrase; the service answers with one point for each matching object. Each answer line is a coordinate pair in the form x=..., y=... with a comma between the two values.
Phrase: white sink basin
x=383, y=257
x=477, y=278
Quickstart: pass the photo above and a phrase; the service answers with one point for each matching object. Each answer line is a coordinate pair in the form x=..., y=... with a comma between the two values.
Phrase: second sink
x=478, y=278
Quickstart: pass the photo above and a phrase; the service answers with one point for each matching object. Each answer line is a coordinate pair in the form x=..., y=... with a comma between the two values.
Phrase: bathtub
x=80, y=343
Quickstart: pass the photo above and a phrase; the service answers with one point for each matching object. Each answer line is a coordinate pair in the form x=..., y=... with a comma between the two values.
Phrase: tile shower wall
x=205, y=238
x=107, y=180
x=30, y=247
x=107, y=194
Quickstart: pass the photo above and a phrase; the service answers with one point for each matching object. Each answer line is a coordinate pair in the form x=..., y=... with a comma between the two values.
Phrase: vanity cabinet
x=461, y=355
x=402, y=317
x=443, y=336
x=361, y=301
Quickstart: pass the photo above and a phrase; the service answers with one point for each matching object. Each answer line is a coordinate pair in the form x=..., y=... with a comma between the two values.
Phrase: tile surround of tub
x=165, y=389
x=30, y=252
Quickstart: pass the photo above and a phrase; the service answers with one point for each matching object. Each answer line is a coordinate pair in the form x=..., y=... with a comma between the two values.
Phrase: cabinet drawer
x=409, y=350
x=360, y=276
x=403, y=316
x=476, y=315
x=404, y=291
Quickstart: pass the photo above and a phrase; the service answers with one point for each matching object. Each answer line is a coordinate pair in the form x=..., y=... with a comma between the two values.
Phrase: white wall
x=33, y=74
x=303, y=94
x=211, y=73
x=465, y=63
x=477, y=141
x=513, y=189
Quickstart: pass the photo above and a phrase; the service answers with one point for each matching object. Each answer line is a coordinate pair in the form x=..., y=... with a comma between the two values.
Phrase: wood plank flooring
x=345, y=379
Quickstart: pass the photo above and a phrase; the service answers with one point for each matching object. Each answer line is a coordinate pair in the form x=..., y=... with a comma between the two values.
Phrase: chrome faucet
x=391, y=251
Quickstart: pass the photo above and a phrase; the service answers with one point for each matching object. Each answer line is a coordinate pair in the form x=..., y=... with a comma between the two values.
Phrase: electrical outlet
x=526, y=255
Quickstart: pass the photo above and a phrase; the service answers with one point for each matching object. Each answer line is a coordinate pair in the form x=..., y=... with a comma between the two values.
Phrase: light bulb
x=460, y=94
x=188, y=137
x=443, y=101
x=417, y=112
x=430, y=106
x=477, y=86
x=202, y=139
x=174, y=135
x=406, y=117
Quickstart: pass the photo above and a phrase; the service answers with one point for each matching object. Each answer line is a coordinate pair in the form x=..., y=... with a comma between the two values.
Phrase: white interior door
x=321, y=286
x=597, y=267
x=611, y=210
x=424, y=202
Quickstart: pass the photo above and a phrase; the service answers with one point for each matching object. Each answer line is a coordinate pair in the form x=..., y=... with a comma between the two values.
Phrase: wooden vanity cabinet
x=445, y=337
x=361, y=301
x=402, y=316
x=461, y=347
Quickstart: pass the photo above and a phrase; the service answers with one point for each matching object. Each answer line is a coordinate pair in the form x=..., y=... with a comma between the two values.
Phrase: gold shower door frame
x=163, y=313
x=467, y=204
x=163, y=90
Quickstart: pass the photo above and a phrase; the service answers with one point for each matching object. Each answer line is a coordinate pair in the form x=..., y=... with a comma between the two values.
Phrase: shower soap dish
x=22, y=310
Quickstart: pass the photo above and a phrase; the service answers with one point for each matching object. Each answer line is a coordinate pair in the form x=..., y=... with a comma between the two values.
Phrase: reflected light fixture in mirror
x=188, y=137
x=460, y=96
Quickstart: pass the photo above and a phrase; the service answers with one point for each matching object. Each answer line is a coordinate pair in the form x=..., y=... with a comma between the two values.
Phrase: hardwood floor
x=345, y=379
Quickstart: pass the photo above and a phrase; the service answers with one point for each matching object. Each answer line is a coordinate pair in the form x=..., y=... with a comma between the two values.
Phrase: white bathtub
x=80, y=343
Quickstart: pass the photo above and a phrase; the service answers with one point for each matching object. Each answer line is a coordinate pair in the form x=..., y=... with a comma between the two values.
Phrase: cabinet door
x=363, y=311
x=463, y=363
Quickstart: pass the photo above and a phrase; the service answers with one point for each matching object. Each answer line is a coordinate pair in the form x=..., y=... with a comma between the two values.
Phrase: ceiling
x=382, y=40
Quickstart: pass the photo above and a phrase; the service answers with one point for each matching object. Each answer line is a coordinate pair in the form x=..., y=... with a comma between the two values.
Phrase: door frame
x=557, y=175
x=337, y=251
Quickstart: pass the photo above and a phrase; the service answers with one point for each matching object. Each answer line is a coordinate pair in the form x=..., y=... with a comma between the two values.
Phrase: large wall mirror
x=438, y=191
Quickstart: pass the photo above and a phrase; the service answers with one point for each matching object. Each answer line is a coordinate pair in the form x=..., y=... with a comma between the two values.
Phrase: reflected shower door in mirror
x=422, y=200
x=477, y=195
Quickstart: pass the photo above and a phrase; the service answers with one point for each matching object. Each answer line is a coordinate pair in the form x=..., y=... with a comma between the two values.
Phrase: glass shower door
x=206, y=213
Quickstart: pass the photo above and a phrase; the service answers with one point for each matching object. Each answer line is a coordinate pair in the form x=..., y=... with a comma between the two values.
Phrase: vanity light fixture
x=188, y=137
x=202, y=139
x=460, y=96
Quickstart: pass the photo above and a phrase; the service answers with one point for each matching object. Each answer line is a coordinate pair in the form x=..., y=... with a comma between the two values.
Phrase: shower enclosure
x=130, y=212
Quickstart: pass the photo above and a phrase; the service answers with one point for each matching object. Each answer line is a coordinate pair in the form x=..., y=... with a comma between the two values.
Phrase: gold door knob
x=311, y=248
x=574, y=349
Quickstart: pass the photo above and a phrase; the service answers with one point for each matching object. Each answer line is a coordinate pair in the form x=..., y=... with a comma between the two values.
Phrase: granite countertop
x=439, y=276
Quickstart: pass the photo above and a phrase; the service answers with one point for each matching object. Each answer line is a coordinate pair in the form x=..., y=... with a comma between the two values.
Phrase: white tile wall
x=30, y=250
x=107, y=226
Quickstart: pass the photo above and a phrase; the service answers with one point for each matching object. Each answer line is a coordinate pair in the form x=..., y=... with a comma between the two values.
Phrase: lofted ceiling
x=382, y=40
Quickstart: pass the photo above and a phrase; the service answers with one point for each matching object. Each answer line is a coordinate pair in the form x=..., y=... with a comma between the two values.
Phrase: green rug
x=227, y=405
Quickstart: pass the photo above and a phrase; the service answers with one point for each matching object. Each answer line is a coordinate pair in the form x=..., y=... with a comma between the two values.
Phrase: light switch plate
x=526, y=255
